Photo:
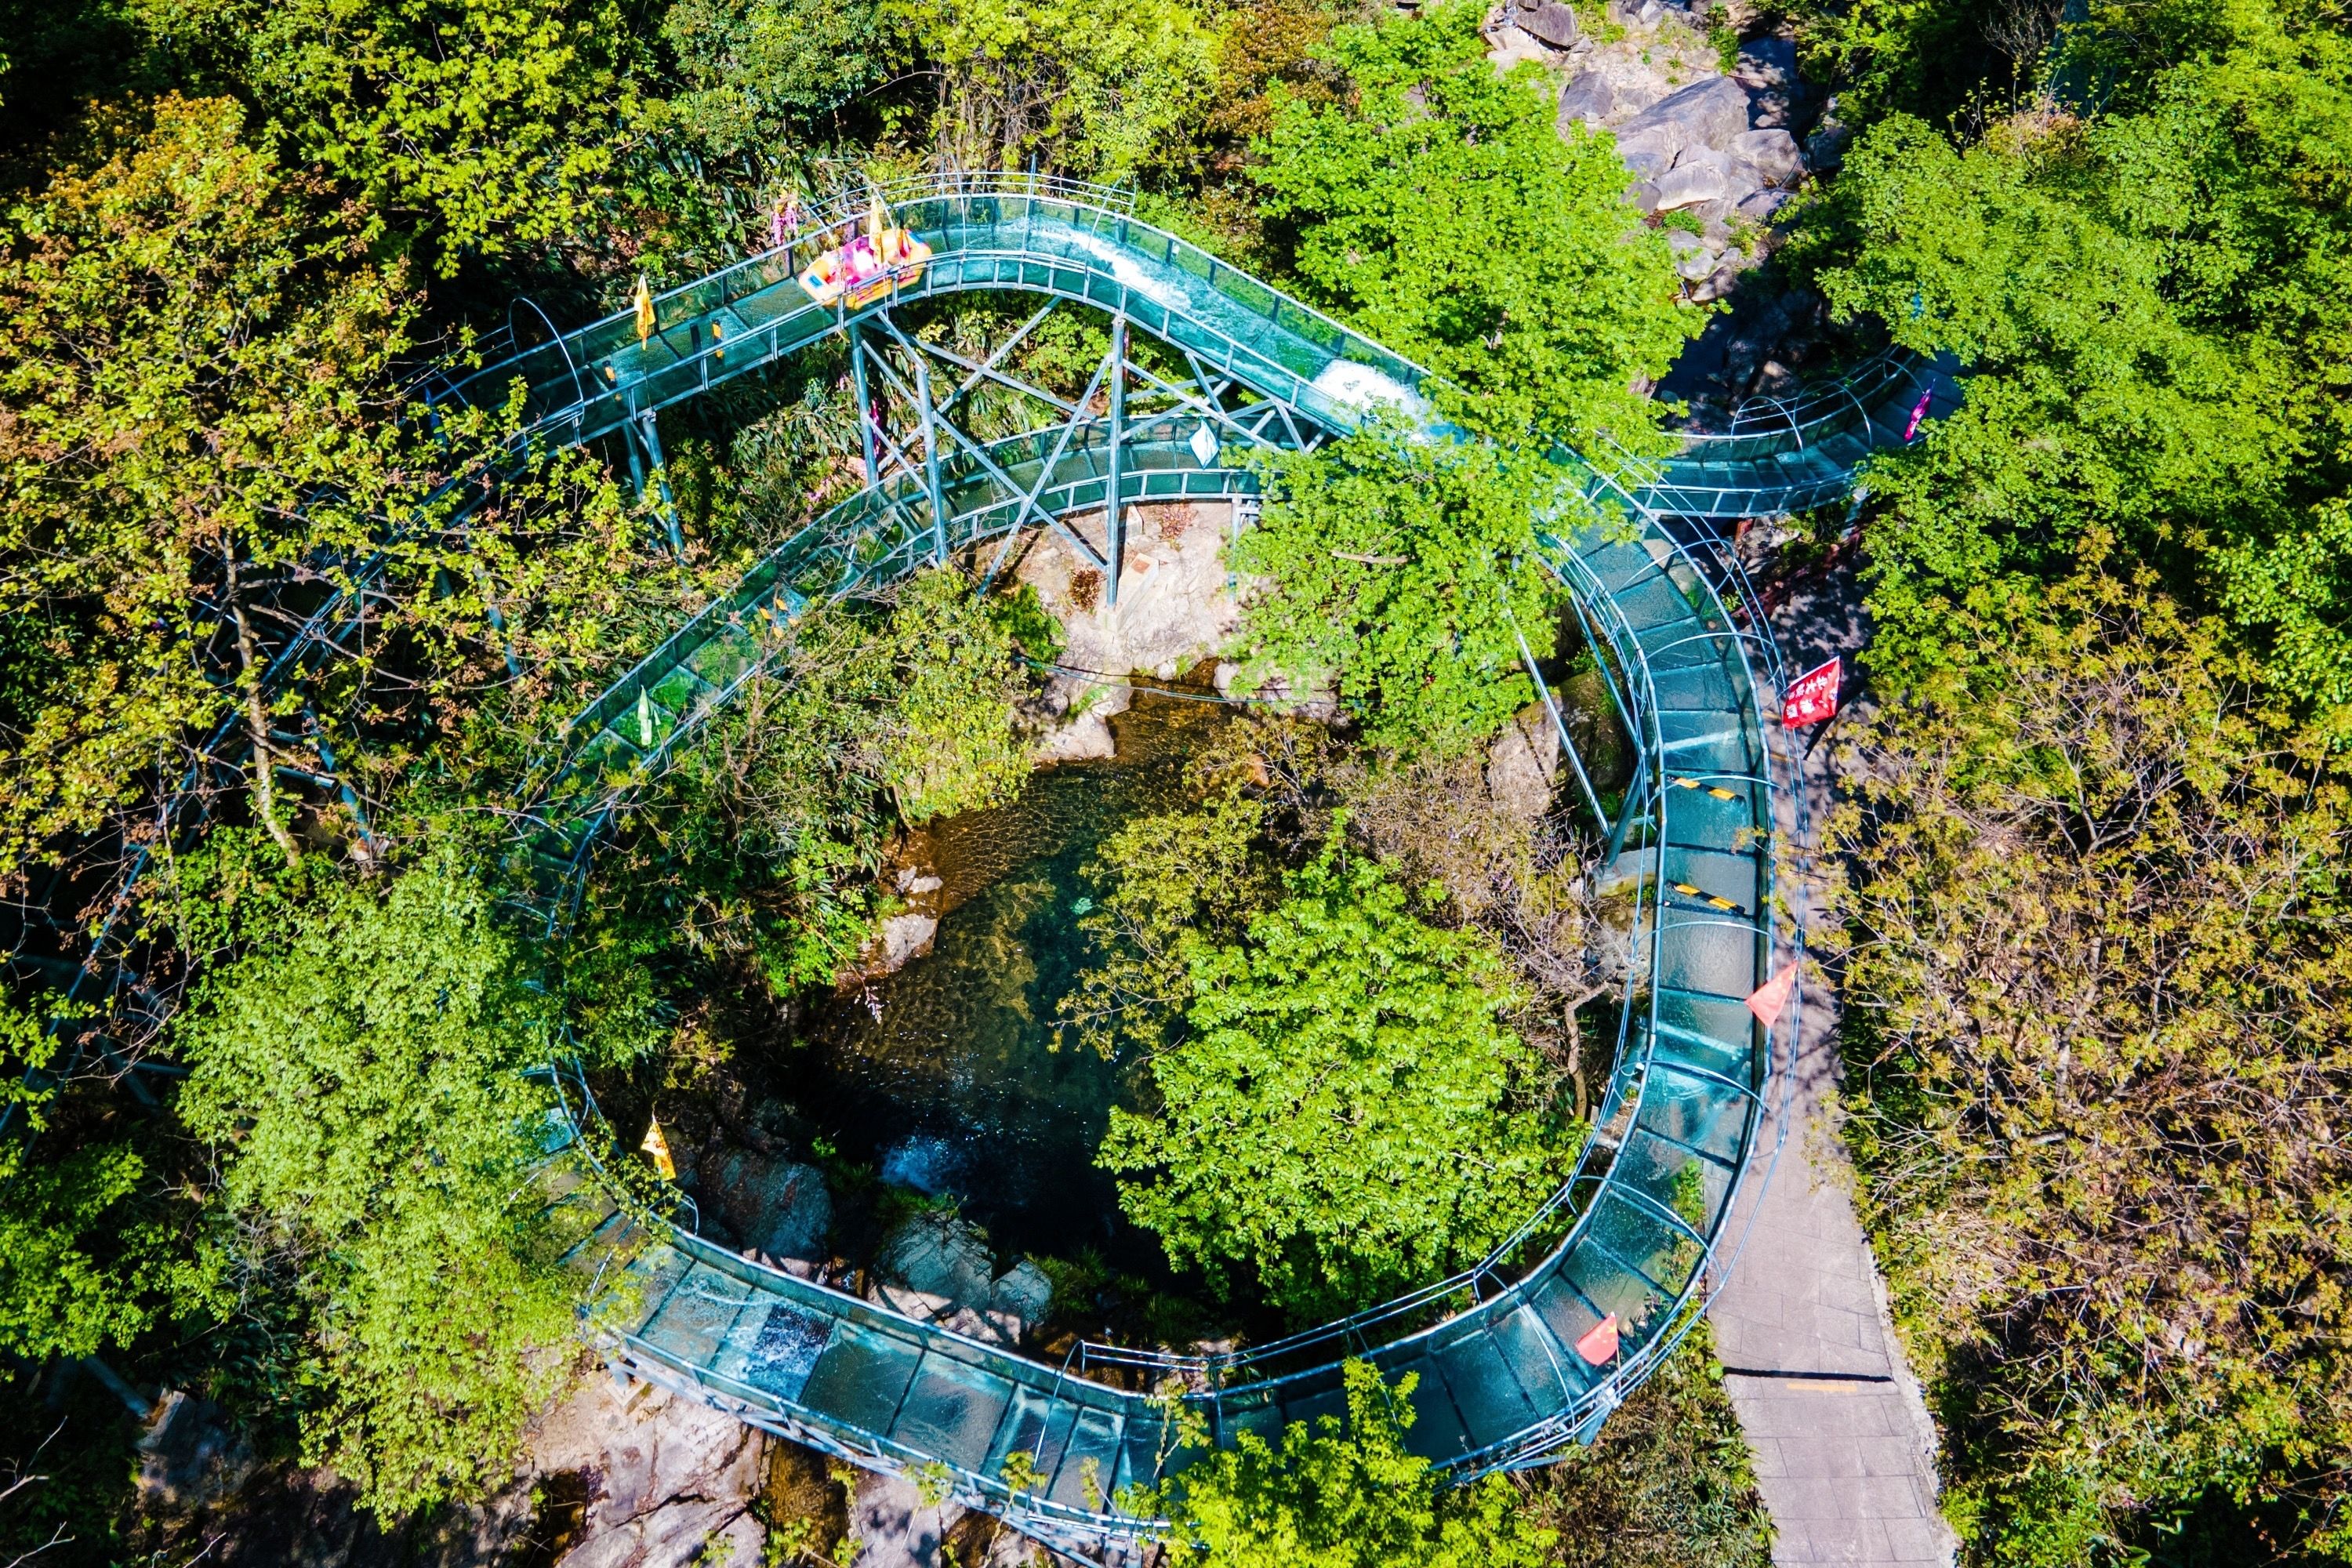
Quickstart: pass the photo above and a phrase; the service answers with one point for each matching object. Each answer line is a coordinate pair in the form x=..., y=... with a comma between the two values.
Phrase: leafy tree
x=1439, y=209
x=1344, y=1115
x=1938, y=59
x=755, y=74
x=363, y=1087
x=1402, y=571
x=1341, y=1494
x=81, y=1258
x=1171, y=883
x=475, y=127
x=756, y=842
x=2153, y=305
x=1087, y=90
x=2096, y=977
x=194, y=401
x=1670, y=1482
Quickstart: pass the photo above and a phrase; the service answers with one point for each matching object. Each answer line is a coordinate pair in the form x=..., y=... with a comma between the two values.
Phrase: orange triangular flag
x=1598, y=1347
x=656, y=1148
x=1769, y=998
x=644, y=301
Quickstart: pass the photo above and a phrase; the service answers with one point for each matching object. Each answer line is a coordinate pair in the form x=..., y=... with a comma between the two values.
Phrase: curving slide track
x=1638, y=1232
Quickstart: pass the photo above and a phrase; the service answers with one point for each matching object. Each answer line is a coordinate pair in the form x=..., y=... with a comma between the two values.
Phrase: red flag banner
x=1813, y=696
x=1766, y=1000
x=1598, y=1347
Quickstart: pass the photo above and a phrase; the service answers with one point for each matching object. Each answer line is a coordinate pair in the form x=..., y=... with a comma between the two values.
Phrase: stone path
x=1844, y=1446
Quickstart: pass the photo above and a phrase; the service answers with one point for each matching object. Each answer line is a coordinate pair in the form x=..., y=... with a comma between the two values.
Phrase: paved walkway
x=1844, y=1446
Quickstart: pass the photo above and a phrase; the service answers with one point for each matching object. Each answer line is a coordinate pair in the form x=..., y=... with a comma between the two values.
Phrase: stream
x=943, y=1076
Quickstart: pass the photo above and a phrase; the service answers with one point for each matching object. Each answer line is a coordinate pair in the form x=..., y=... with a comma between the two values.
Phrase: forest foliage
x=2091, y=867
x=2097, y=1014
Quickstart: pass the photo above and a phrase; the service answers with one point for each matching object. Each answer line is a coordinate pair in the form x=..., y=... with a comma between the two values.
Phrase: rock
x=1825, y=148
x=1522, y=761
x=920, y=1305
x=1588, y=100
x=1650, y=151
x=905, y=938
x=1642, y=194
x=1176, y=604
x=989, y=1328
x=1763, y=206
x=940, y=1255
x=1550, y=22
x=776, y=1207
x=1773, y=152
x=1084, y=739
x=1718, y=282
x=661, y=1476
x=1694, y=259
x=189, y=1458
x=1691, y=182
x=1707, y=113
x=1649, y=13
x=1767, y=62
x=1509, y=46
x=1023, y=1292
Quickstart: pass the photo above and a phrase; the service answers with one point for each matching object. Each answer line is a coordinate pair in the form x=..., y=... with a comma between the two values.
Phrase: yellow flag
x=657, y=1149
x=644, y=303
x=878, y=218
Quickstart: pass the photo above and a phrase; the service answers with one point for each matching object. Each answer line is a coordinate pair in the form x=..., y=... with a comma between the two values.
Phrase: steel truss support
x=893, y=381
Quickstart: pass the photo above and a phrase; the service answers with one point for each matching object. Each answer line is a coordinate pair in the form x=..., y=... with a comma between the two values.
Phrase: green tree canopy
x=1346, y=1115
x=1089, y=91
x=1342, y=1495
x=197, y=376
x=757, y=840
x=1402, y=572
x=364, y=1086
x=81, y=1258
x=2154, y=304
x=1439, y=209
x=467, y=128
x=2098, y=988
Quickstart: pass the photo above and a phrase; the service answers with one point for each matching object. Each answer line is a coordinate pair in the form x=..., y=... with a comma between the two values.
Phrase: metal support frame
x=645, y=434
x=868, y=415
x=1114, y=527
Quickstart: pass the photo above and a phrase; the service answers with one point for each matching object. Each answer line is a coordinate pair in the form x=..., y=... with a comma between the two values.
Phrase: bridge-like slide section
x=1635, y=1233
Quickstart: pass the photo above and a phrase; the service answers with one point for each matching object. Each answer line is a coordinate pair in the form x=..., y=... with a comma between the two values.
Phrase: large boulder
x=1774, y=152
x=1588, y=100
x=1694, y=259
x=1767, y=62
x=1549, y=21
x=1650, y=151
x=1708, y=113
x=665, y=1481
x=939, y=1255
x=1695, y=182
x=1523, y=762
x=777, y=1207
x=190, y=1457
x=1023, y=1293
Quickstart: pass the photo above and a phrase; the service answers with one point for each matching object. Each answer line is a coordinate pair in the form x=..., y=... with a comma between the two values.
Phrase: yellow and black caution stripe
x=1710, y=900
x=1716, y=790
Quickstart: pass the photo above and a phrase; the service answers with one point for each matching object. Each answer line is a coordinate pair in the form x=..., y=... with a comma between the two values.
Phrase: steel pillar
x=1114, y=527
x=645, y=432
x=866, y=413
